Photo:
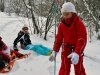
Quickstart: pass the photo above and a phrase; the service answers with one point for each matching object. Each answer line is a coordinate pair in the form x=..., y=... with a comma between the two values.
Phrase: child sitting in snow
x=5, y=54
x=23, y=37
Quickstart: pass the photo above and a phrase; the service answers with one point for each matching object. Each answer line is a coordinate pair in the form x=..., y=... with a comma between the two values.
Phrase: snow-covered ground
x=38, y=64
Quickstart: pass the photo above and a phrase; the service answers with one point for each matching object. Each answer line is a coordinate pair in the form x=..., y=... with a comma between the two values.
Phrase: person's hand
x=22, y=46
x=74, y=58
x=15, y=48
x=52, y=56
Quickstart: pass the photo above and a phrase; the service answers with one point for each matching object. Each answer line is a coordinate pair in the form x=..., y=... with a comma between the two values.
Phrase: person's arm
x=20, y=34
x=82, y=39
x=57, y=43
x=58, y=39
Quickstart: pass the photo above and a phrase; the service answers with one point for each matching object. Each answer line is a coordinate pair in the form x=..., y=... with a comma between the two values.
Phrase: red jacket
x=75, y=35
x=3, y=46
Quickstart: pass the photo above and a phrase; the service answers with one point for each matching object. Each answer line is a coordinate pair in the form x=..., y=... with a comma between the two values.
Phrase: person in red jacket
x=5, y=54
x=72, y=36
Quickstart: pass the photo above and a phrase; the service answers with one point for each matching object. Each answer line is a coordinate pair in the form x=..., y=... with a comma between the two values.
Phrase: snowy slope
x=38, y=64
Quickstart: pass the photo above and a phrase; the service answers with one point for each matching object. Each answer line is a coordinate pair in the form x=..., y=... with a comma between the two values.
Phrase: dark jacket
x=23, y=41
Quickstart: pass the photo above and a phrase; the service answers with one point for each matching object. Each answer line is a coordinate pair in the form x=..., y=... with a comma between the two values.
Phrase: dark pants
x=2, y=64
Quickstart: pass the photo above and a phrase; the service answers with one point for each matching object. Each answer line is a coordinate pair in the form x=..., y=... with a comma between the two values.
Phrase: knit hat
x=68, y=7
x=24, y=27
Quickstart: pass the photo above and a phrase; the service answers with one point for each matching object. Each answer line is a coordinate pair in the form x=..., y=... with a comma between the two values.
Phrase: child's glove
x=22, y=46
x=53, y=56
x=74, y=58
x=15, y=48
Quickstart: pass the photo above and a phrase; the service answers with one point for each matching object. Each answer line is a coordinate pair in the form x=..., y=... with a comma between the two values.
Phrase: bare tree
x=88, y=10
x=36, y=29
x=2, y=7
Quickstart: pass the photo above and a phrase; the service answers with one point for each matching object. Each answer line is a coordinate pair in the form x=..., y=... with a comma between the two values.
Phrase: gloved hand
x=22, y=46
x=74, y=58
x=53, y=56
x=15, y=48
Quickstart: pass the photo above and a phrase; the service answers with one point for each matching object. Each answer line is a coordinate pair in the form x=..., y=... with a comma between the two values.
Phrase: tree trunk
x=2, y=6
x=33, y=19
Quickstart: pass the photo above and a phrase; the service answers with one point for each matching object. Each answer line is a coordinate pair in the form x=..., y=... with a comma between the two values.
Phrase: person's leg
x=46, y=50
x=65, y=66
x=38, y=49
x=2, y=64
x=79, y=68
x=4, y=56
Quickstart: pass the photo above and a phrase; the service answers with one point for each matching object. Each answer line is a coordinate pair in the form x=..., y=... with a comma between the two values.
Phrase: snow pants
x=2, y=64
x=66, y=65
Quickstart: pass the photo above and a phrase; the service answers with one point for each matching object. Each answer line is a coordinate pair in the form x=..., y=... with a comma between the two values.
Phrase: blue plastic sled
x=39, y=49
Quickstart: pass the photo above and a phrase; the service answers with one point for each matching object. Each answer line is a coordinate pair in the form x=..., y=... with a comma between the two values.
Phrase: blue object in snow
x=40, y=49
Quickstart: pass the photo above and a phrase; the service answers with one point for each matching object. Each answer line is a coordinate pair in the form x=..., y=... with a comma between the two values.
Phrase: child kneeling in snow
x=5, y=54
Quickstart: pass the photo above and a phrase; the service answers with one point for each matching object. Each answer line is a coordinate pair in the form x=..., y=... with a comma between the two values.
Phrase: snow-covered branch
x=90, y=11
